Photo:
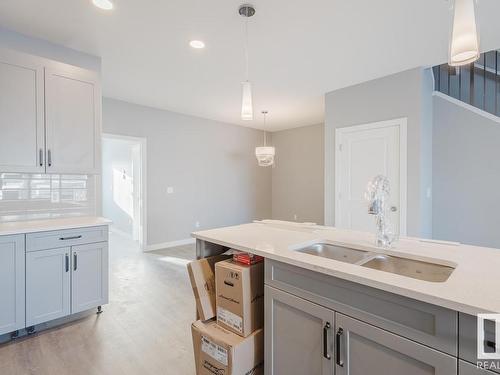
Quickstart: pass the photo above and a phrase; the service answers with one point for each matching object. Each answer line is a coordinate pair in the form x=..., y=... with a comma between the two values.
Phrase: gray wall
x=395, y=96
x=466, y=175
x=297, y=177
x=210, y=165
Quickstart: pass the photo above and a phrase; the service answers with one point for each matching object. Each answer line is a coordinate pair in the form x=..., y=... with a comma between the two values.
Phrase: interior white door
x=47, y=285
x=364, y=152
x=22, y=140
x=89, y=279
x=73, y=115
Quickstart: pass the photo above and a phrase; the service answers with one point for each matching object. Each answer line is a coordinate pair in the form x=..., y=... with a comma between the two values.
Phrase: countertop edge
x=25, y=227
x=401, y=291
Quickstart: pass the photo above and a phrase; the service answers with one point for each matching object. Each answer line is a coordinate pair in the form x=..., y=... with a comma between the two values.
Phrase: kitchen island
x=325, y=316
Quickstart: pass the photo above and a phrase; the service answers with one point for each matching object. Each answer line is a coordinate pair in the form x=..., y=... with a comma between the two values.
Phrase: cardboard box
x=240, y=296
x=202, y=276
x=218, y=351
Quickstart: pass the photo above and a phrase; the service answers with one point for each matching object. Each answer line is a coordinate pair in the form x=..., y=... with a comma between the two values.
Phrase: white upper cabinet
x=73, y=115
x=22, y=137
x=50, y=116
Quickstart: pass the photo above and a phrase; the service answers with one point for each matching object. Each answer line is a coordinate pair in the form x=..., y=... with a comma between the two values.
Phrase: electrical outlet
x=170, y=190
x=295, y=217
x=197, y=224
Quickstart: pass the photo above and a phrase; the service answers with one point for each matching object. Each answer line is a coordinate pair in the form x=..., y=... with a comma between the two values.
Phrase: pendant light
x=464, y=48
x=246, y=11
x=265, y=154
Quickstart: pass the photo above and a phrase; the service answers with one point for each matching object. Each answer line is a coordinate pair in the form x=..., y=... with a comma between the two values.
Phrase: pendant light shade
x=464, y=48
x=246, y=101
x=265, y=154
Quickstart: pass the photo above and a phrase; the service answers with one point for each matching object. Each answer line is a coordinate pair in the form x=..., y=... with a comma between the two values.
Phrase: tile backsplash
x=26, y=196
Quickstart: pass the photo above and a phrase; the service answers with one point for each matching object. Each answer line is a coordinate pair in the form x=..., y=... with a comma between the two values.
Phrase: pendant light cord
x=265, y=132
x=246, y=45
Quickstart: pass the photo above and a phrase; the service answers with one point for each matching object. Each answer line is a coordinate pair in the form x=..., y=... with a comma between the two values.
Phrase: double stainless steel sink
x=416, y=269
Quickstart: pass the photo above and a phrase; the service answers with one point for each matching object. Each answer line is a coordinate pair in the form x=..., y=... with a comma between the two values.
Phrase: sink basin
x=341, y=253
x=411, y=268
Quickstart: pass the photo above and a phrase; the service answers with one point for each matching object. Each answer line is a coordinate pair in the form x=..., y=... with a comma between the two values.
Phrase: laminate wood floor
x=144, y=330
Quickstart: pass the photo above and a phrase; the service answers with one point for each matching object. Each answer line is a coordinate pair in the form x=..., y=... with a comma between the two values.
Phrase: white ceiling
x=299, y=49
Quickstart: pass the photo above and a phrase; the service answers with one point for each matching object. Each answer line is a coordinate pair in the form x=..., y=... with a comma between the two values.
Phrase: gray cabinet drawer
x=68, y=237
x=467, y=338
x=422, y=322
x=364, y=349
x=465, y=368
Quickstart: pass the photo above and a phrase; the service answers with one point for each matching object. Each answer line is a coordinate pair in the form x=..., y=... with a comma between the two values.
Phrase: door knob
x=394, y=208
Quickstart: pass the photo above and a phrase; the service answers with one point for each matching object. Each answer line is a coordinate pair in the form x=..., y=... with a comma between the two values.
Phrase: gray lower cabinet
x=48, y=284
x=65, y=281
x=364, y=349
x=466, y=368
x=467, y=337
x=89, y=276
x=298, y=334
x=12, y=281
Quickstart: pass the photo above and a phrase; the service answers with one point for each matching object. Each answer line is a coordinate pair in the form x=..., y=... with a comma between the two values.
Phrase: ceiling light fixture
x=246, y=11
x=265, y=154
x=103, y=4
x=197, y=44
x=464, y=48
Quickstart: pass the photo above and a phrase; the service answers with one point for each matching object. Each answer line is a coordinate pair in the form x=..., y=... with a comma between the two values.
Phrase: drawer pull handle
x=67, y=263
x=228, y=283
x=75, y=261
x=338, y=338
x=326, y=328
x=70, y=238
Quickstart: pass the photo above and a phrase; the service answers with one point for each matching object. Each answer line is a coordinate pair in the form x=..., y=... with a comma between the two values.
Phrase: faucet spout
x=377, y=195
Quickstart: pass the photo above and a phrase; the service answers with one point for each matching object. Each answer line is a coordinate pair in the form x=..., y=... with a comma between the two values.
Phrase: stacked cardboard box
x=234, y=343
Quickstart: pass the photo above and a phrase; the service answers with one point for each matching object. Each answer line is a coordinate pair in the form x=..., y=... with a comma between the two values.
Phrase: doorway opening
x=124, y=185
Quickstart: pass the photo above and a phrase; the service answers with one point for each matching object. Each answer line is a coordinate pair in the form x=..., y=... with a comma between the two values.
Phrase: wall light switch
x=170, y=190
x=197, y=224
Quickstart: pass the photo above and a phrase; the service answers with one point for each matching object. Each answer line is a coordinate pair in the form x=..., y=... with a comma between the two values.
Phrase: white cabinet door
x=73, y=120
x=47, y=285
x=12, y=313
x=89, y=283
x=22, y=140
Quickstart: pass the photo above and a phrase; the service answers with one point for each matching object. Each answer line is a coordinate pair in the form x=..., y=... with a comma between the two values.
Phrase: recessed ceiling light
x=103, y=4
x=197, y=44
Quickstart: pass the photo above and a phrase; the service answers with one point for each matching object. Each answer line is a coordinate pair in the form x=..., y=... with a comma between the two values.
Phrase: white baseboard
x=119, y=232
x=166, y=245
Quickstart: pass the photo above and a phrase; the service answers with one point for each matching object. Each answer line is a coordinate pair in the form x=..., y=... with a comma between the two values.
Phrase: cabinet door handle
x=67, y=263
x=40, y=157
x=490, y=344
x=326, y=328
x=49, y=158
x=338, y=340
x=70, y=238
x=75, y=261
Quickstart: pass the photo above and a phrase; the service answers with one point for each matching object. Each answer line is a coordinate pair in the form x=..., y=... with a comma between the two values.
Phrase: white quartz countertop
x=19, y=227
x=473, y=287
